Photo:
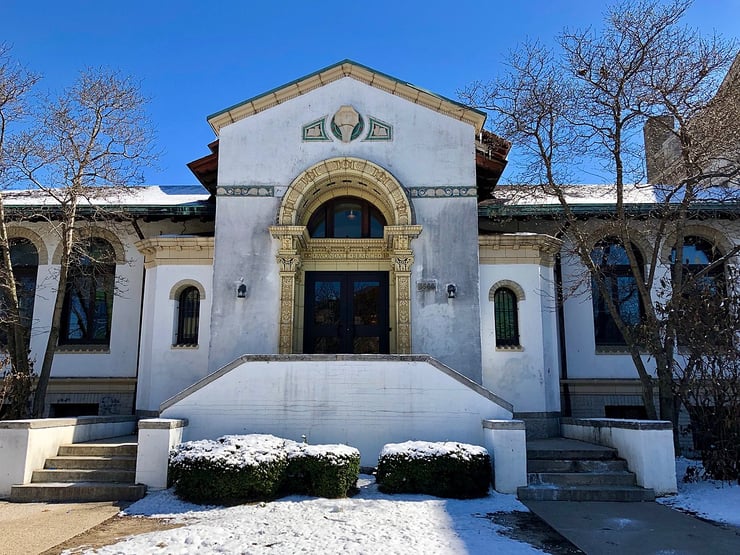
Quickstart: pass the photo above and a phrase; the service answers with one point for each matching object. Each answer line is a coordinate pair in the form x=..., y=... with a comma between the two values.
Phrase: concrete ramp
x=361, y=400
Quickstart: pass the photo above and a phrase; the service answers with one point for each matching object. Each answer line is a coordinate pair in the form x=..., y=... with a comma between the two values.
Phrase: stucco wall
x=527, y=377
x=428, y=150
x=364, y=403
x=584, y=361
x=164, y=369
x=120, y=360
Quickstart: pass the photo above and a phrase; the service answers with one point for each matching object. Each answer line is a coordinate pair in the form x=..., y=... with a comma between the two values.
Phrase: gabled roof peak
x=339, y=70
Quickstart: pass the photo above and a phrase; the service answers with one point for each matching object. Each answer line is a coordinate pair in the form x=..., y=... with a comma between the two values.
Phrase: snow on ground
x=368, y=523
x=710, y=499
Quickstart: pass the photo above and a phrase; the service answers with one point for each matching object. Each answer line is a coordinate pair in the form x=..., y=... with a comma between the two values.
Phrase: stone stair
x=102, y=470
x=560, y=469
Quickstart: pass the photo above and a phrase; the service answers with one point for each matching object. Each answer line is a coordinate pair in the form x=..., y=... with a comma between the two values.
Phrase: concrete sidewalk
x=31, y=528
x=645, y=528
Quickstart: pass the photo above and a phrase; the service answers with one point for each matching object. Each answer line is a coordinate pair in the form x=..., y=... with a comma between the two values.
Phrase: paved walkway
x=31, y=528
x=603, y=528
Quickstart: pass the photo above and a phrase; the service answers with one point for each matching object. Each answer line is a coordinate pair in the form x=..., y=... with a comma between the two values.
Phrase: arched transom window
x=346, y=217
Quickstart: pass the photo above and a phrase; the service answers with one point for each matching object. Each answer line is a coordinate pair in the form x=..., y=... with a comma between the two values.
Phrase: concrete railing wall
x=157, y=436
x=646, y=445
x=26, y=444
x=364, y=401
x=506, y=443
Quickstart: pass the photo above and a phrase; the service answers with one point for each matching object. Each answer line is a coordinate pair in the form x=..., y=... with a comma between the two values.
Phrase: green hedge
x=237, y=469
x=444, y=469
x=323, y=471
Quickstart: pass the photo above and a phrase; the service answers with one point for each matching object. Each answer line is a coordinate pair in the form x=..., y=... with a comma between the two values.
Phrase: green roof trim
x=493, y=211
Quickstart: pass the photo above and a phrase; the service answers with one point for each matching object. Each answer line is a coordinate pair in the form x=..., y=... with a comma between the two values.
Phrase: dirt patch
x=529, y=528
x=112, y=531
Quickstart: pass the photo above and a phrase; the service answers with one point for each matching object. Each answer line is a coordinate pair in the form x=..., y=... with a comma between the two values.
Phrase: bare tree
x=707, y=377
x=15, y=84
x=91, y=141
x=587, y=102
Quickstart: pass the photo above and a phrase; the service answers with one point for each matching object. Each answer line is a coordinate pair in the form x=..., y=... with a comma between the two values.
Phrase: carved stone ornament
x=347, y=124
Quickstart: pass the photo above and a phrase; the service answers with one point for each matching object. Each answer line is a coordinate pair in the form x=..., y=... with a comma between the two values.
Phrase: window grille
x=188, y=316
x=506, y=318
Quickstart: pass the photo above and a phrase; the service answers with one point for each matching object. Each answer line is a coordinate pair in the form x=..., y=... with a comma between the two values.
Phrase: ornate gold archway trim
x=298, y=252
x=344, y=176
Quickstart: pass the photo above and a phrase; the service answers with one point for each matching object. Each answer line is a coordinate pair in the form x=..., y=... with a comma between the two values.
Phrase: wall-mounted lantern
x=241, y=289
x=451, y=291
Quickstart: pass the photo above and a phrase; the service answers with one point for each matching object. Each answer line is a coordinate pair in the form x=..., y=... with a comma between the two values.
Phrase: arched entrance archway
x=300, y=253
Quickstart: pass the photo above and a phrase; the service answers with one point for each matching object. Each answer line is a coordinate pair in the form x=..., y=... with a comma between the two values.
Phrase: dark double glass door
x=346, y=312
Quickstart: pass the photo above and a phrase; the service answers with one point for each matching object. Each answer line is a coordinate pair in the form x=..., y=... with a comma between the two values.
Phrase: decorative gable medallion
x=379, y=131
x=347, y=125
x=315, y=131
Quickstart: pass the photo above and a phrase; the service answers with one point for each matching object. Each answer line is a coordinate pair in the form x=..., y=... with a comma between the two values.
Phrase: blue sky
x=195, y=58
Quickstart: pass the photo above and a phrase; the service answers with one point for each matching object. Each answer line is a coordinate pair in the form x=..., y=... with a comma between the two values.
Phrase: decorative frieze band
x=441, y=192
x=246, y=191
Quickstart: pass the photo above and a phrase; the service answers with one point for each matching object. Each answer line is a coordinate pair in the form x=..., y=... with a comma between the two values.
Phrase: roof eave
x=346, y=68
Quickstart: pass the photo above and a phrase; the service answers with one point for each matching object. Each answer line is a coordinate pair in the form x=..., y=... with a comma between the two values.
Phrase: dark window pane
x=613, y=262
x=188, y=316
x=326, y=306
x=88, y=303
x=326, y=345
x=366, y=345
x=346, y=217
x=347, y=220
x=506, y=318
x=24, y=259
x=365, y=303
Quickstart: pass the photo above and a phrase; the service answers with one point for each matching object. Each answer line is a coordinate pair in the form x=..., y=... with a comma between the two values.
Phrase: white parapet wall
x=364, y=401
x=646, y=445
x=506, y=442
x=157, y=436
x=26, y=444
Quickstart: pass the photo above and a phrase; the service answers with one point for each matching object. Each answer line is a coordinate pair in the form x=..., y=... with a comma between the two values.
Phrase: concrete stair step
x=90, y=463
x=563, y=448
x=575, y=465
x=585, y=493
x=76, y=491
x=100, y=449
x=83, y=475
x=565, y=479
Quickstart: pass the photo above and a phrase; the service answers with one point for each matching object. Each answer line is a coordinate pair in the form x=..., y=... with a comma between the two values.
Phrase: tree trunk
x=17, y=337
x=39, y=398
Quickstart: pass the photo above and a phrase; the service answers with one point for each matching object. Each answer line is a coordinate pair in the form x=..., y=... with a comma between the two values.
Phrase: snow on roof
x=128, y=196
x=527, y=195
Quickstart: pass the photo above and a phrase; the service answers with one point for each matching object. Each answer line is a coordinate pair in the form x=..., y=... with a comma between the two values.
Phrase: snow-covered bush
x=322, y=470
x=238, y=468
x=446, y=469
x=228, y=470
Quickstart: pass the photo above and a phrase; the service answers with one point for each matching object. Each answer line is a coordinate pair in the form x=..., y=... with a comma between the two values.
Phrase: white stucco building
x=339, y=214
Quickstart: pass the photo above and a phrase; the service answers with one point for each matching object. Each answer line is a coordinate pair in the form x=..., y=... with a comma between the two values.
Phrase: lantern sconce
x=241, y=289
x=451, y=291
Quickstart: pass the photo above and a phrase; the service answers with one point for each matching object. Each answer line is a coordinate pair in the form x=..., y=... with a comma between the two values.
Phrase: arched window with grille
x=188, y=317
x=611, y=258
x=698, y=253
x=506, y=317
x=88, y=302
x=24, y=258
